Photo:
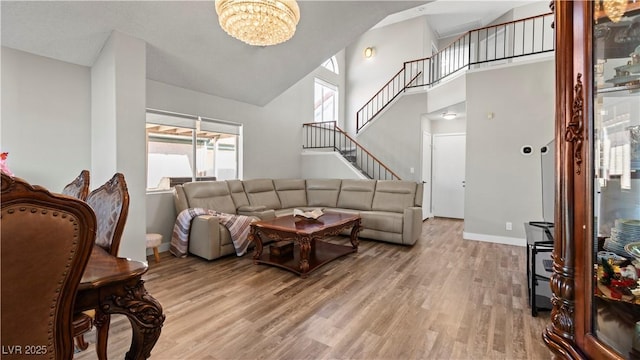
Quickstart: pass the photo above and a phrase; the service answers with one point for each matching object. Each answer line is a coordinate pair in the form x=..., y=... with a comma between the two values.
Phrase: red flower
x=4, y=155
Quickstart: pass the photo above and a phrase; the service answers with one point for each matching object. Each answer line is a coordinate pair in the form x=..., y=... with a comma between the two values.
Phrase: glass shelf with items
x=616, y=180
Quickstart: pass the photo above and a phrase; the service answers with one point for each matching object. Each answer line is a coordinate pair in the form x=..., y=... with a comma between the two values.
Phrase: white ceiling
x=187, y=48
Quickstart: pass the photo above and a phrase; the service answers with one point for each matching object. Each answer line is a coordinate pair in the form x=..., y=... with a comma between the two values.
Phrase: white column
x=118, y=101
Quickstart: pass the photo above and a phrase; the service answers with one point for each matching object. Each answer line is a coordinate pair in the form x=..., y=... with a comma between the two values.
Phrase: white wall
x=395, y=138
x=454, y=126
x=160, y=216
x=47, y=127
x=327, y=164
x=272, y=134
x=118, y=141
x=46, y=111
x=535, y=8
x=394, y=44
x=450, y=92
x=501, y=184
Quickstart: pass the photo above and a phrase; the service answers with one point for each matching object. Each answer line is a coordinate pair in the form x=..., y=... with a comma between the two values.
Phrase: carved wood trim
x=559, y=335
x=147, y=319
x=575, y=126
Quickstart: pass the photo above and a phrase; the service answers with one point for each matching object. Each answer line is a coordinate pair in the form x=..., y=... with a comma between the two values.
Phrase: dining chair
x=45, y=243
x=110, y=202
x=79, y=187
x=82, y=322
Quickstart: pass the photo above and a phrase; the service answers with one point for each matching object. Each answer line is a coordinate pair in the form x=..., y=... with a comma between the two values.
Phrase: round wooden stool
x=153, y=241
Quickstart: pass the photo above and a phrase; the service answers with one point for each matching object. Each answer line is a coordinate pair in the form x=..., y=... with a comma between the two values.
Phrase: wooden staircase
x=327, y=135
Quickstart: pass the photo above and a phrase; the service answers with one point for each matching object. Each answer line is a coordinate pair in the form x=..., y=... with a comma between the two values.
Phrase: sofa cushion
x=292, y=192
x=323, y=192
x=394, y=195
x=237, y=193
x=381, y=235
x=262, y=192
x=212, y=195
x=383, y=221
x=356, y=194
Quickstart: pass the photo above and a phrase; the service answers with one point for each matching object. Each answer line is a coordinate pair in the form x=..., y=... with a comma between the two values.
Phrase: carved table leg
x=144, y=313
x=255, y=237
x=305, y=248
x=102, y=322
x=355, y=231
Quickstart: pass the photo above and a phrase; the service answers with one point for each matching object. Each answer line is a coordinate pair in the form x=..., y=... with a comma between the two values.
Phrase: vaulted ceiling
x=185, y=45
x=187, y=48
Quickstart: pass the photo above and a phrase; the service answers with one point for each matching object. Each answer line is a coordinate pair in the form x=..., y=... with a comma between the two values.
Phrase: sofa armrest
x=265, y=214
x=204, y=237
x=412, y=225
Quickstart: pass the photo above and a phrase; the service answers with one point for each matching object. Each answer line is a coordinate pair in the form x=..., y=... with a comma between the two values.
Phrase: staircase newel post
x=404, y=69
x=335, y=145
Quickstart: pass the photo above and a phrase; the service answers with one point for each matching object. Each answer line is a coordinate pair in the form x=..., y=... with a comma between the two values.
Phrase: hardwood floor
x=444, y=298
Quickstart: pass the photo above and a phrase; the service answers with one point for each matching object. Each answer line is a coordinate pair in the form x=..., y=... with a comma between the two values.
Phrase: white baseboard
x=495, y=239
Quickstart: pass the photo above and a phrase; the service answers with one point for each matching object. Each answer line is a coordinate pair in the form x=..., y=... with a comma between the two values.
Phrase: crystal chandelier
x=614, y=9
x=259, y=22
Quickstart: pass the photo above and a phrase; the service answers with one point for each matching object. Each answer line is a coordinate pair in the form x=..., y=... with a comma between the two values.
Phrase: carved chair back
x=110, y=202
x=79, y=187
x=45, y=244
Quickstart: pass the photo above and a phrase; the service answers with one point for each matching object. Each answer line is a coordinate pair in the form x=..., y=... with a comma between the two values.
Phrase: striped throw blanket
x=238, y=226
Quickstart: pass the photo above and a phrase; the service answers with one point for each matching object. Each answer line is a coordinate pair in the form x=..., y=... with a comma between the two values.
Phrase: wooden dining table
x=114, y=285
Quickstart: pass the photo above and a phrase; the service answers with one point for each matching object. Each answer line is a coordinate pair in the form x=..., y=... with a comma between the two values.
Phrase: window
x=331, y=65
x=325, y=102
x=184, y=148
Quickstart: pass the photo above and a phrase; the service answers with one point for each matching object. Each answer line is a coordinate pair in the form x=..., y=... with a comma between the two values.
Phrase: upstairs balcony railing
x=386, y=95
x=327, y=135
x=510, y=40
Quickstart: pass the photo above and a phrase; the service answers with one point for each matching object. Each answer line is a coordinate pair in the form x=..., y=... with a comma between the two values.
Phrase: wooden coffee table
x=310, y=251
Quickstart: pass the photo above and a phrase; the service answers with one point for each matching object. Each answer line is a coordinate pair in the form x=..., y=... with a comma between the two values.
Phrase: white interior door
x=426, y=175
x=448, y=175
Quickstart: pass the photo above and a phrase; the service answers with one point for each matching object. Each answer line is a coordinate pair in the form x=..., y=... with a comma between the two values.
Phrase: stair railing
x=506, y=41
x=384, y=97
x=327, y=135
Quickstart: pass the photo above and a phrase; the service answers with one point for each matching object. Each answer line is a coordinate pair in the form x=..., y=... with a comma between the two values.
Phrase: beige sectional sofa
x=390, y=209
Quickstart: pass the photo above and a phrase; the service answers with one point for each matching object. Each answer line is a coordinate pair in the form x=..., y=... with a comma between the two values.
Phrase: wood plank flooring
x=444, y=298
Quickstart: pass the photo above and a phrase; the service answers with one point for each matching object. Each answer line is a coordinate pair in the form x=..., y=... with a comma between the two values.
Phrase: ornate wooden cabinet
x=596, y=308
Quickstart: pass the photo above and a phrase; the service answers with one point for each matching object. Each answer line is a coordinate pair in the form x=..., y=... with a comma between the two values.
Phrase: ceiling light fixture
x=368, y=52
x=448, y=115
x=259, y=22
x=614, y=9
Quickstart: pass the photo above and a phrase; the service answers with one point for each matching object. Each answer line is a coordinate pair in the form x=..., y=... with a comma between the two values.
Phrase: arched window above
x=331, y=64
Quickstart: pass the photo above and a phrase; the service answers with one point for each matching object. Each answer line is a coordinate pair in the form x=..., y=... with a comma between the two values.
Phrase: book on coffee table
x=313, y=214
